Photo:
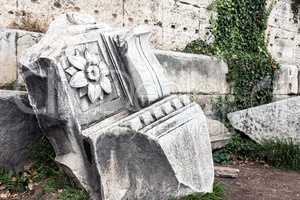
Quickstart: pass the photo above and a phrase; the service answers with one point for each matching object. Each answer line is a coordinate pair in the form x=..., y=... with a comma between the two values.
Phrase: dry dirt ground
x=260, y=182
x=255, y=182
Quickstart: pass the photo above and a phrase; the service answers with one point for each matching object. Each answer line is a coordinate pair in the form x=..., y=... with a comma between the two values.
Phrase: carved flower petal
x=106, y=85
x=69, y=52
x=103, y=68
x=91, y=58
x=77, y=52
x=101, y=95
x=83, y=91
x=77, y=61
x=71, y=71
x=94, y=92
x=78, y=80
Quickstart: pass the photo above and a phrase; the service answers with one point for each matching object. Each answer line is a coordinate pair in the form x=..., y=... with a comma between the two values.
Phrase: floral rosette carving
x=89, y=74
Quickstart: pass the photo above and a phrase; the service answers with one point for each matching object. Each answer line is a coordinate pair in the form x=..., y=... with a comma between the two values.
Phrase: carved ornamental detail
x=110, y=116
x=89, y=74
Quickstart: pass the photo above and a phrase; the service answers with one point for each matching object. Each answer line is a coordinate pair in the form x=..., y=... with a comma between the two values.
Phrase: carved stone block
x=101, y=97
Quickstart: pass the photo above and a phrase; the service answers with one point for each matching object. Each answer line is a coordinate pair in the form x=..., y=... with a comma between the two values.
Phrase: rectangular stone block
x=8, y=57
x=287, y=81
x=191, y=73
x=13, y=44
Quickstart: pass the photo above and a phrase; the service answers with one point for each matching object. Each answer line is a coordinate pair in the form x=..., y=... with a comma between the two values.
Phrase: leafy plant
x=27, y=21
x=200, y=47
x=218, y=194
x=44, y=172
x=13, y=182
x=43, y=155
x=222, y=157
x=13, y=86
x=239, y=33
x=279, y=153
x=73, y=194
x=283, y=154
x=222, y=106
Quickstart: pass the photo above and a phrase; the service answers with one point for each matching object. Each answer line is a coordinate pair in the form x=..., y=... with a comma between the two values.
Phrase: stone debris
x=279, y=120
x=226, y=172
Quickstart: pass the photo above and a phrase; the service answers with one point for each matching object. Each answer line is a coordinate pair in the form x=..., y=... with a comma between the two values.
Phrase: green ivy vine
x=239, y=39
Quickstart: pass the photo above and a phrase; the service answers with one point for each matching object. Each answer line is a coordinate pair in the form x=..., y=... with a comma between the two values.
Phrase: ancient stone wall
x=283, y=32
x=283, y=36
x=175, y=22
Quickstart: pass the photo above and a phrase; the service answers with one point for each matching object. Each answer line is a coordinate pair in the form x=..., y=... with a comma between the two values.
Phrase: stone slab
x=8, y=68
x=191, y=73
x=13, y=43
x=226, y=172
x=18, y=129
x=219, y=134
x=276, y=120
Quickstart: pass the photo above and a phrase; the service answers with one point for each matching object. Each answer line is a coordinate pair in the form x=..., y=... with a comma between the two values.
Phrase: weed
x=222, y=157
x=239, y=39
x=43, y=155
x=222, y=106
x=27, y=21
x=73, y=194
x=44, y=172
x=13, y=86
x=13, y=182
x=283, y=154
x=218, y=194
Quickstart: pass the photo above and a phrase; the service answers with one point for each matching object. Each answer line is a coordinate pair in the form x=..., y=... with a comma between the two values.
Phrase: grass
x=73, y=194
x=218, y=194
x=13, y=86
x=45, y=172
x=282, y=154
x=28, y=22
x=13, y=182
